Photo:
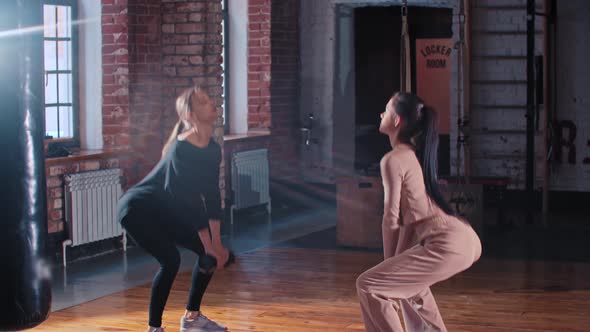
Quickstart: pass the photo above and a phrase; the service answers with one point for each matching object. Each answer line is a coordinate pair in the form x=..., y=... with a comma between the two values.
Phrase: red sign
x=433, y=77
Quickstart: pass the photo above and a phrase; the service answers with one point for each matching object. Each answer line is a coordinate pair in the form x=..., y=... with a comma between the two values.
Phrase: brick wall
x=284, y=89
x=273, y=79
x=132, y=103
x=192, y=51
x=259, y=63
x=192, y=48
x=145, y=84
x=115, y=78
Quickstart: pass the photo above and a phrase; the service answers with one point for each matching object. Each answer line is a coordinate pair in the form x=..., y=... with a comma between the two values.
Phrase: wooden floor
x=290, y=289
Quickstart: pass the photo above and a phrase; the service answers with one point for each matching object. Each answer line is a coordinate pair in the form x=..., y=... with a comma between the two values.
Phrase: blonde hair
x=183, y=109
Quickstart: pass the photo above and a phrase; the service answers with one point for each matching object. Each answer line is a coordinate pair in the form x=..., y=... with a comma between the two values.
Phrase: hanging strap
x=405, y=63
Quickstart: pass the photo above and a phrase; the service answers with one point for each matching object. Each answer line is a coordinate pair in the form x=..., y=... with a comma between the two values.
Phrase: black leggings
x=161, y=242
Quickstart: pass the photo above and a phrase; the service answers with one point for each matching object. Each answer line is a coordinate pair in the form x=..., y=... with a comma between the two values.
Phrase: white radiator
x=250, y=180
x=91, y=207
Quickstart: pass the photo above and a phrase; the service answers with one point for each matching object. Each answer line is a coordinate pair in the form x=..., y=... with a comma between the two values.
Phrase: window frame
x=74, y=141
x=226, y=66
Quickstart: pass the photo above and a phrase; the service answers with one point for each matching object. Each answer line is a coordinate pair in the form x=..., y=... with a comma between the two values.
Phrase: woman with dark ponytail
x=414, y=208
x=179, y=204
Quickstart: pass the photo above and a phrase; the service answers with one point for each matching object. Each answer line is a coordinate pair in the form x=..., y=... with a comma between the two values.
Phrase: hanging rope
x=464, y=199
x=463, y=121
x=465, y=67
x=405, y=63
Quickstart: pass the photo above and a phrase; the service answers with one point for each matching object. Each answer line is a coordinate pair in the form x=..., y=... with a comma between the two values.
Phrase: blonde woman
x=178, y=203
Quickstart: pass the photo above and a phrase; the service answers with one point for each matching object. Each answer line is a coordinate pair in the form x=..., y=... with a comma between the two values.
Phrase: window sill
x=82, y=155
x=250, y=134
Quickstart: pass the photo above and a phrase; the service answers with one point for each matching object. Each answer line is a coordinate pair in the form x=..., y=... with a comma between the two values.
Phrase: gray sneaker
x=200, y=324
x=158, y=329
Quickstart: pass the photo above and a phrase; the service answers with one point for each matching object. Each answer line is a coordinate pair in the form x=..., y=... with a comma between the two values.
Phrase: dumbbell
x=208, y=263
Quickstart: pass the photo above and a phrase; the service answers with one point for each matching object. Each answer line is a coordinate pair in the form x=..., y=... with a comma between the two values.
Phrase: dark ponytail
x=421, y=129
x=427, y=150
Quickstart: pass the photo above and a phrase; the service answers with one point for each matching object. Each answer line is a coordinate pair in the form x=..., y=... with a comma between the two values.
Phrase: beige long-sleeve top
x=406, y=200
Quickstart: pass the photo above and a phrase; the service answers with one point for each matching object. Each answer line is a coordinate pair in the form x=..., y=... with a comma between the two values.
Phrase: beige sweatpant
x=447, y=247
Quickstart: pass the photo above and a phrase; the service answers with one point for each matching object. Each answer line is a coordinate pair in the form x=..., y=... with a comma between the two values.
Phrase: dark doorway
x=377, y=66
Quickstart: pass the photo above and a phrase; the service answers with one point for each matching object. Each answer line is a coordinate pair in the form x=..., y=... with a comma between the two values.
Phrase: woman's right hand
x=210, y=248
x=221, y=254
x=214, y=249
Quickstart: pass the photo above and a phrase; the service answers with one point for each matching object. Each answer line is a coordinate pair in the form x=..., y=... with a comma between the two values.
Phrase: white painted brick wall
x=503, y=45
x=512, y=168
x=500, y=3
x=501, y=144
x=499, y=45
x=573, y=90
x=496, y=119
x=501, y=20
x=498, y=94
x=499, y=69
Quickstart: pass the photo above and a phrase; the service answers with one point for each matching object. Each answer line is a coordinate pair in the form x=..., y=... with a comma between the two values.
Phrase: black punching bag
x=25, y=288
